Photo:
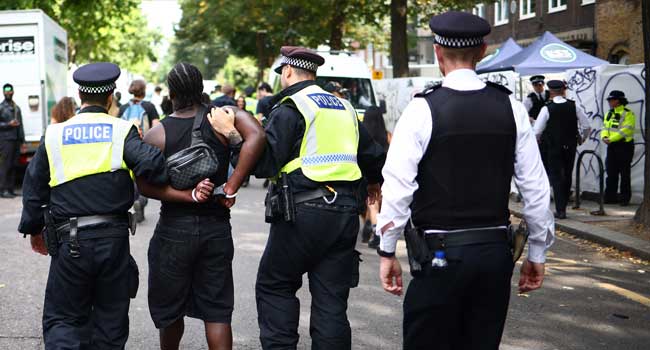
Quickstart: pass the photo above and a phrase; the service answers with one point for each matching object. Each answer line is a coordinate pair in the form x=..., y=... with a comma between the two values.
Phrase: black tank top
x=178, y=137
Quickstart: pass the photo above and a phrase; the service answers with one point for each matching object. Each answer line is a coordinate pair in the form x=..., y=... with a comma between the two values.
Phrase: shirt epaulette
x=435, y=86
x=499, y=87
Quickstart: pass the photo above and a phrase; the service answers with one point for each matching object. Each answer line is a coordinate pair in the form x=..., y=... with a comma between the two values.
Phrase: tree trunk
x=643, y=213
x=336, y=25
x=398, y=39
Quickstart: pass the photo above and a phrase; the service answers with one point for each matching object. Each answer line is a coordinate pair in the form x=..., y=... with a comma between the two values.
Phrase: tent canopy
x=507, y=50
x=548, y=54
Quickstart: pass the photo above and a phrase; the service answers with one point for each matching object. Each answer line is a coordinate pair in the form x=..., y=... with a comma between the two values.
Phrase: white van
x=34, y=59
x=348, y=70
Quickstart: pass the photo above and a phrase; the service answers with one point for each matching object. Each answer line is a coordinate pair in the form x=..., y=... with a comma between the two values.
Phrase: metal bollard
x=601, y=169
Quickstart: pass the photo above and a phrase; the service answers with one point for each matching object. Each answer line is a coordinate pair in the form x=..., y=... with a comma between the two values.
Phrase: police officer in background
x=12, y=136
x=319, y=150
x=618, y=134
x=538, y=98
x=448, y=172
x=562, y=126
x=82, y=173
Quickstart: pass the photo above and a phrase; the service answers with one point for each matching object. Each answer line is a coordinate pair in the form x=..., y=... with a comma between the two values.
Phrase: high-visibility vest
x=251, y=105
x=328, y=151
x=87, y=144
x=619, y=125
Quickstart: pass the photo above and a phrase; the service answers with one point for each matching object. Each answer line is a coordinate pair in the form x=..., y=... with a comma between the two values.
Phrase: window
x=526, y=9
x=556, y=5
x=588, y=2
x=500, y=12
x=479, y=10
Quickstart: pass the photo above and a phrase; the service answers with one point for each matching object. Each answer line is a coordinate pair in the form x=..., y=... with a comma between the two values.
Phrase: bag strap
x=197, y=136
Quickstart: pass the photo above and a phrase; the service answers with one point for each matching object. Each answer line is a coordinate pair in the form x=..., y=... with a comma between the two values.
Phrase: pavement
x=592, y=298
x=583, y=222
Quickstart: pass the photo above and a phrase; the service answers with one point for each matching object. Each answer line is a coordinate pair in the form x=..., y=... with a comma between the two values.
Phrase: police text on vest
x=87, y=133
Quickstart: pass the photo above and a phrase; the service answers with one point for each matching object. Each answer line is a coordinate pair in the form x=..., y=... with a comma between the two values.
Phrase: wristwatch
x=384, y=254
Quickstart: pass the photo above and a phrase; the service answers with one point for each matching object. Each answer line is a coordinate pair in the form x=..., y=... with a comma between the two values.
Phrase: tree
x=99, y=30
x=398, y=38
x=643, y=213
x=241, y=72
x=258, y=28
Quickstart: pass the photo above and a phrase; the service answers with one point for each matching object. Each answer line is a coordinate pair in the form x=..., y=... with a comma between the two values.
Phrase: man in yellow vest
x=79, y=187
x=317, y=151
x=618, y=134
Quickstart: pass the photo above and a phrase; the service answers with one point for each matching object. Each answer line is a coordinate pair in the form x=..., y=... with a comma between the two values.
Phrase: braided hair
x=185, y=84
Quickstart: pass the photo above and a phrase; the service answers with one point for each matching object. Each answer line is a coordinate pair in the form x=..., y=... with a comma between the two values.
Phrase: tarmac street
x=593, y=296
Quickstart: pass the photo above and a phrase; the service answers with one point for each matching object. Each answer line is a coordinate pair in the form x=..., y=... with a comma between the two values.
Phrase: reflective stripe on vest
x=611, y=125
x=89, y=143
x=329, y=146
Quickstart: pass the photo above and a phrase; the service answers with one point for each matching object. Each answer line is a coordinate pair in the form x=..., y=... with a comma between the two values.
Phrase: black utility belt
x=441, y=240
x=281, y=201
x=421, y=247
x=89, y=221
x=329, y=194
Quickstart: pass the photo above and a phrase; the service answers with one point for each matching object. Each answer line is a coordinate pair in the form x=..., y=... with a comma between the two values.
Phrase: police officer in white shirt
x=562, y=126
x=448, y=171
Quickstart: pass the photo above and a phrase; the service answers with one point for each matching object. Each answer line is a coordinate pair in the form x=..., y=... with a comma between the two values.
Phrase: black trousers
x=9, y=153
x=320, y=243
x=619, y=163
x=560, y=171
x=462, y=306
x=87, y=298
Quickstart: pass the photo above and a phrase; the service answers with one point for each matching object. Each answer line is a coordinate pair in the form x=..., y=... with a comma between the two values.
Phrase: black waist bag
x=195, y=163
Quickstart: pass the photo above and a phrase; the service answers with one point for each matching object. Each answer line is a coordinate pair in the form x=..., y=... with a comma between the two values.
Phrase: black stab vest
x=464, y=176
x=537, y=103
x=562, y=126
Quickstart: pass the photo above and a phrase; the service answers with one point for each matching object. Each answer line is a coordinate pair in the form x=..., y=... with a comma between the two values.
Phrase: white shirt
x=542, y=119
x=409, y=143
x=528, y=102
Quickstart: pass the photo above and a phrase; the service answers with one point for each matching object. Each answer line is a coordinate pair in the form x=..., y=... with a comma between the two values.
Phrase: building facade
x=608, y=29
x=619, y=31
x=572, y=21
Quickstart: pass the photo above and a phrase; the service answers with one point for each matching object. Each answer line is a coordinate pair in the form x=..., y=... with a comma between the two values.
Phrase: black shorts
x=190, y=270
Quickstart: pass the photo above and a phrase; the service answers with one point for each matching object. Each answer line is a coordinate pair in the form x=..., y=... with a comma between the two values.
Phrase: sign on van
x=22, y=45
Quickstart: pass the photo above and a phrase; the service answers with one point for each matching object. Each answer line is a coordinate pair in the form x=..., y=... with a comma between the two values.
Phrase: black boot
x=374, y=242
x=6, y=194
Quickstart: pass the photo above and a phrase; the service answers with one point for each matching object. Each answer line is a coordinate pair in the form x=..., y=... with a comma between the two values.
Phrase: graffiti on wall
x=589, y=87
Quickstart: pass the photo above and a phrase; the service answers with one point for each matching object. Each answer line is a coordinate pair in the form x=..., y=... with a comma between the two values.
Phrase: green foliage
x=239, y=26
x=99, y=30
x=258, y=28
x=239, y=71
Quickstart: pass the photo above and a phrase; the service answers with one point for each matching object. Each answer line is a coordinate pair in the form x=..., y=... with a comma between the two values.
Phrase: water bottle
x=439, y=260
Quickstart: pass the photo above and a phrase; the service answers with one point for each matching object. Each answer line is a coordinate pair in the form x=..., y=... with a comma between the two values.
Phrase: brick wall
x=619, y=29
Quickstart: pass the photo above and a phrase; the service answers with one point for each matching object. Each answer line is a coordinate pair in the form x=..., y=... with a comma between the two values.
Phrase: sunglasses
x=8, y=89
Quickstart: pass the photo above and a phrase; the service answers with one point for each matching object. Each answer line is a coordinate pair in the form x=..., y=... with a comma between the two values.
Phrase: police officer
x=538, y=98
x=618, y=134
x=316, y=144
x=562, y=126
x=448, y=172
x=12, y=136
x=83, y=173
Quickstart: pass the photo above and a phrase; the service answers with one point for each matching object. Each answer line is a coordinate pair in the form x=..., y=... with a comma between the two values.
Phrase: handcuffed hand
x=38, y=244
x=390, y=273
x=226, y=201
x=222, y=120
x=203, y=191
x=532, y=276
